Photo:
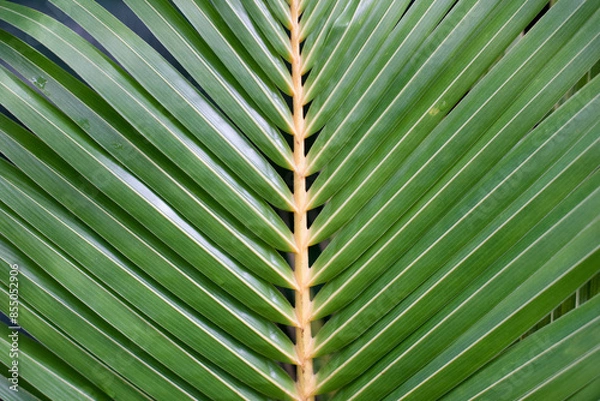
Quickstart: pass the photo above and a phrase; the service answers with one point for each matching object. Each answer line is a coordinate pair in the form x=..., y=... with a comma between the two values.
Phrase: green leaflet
x=523, y=164
x=118, y=138
x=587, y=392
x=146, y=335
x=40, y=368
x=137, y=244
x=207, y=22
x=156, y=125
x=542, y=358
x=333, y=21
x=22, y=395
x=554, y=280
x=569, y=267
x=85, y=363
x=234, y=14
x=204, y=66
x=467, y=265
x=103, y=172
x=97, y=337
x=381, y=68
x=438, y=155
x=271, y=30
x=116, y=273
x=179, y=97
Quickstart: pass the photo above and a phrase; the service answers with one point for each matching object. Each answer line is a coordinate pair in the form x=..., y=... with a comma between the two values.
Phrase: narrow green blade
x=190, y=50
x=150, y=120
x=241, y=24
x=261, y=373
x=119, y=139
x=41, y=370
x=210, y=25
x=137, y=244
x=441, y=160
x=541, y=358
x=524, y=163
x=179, y=97
x=270, y=27
x=74, y=146
x=417, y=301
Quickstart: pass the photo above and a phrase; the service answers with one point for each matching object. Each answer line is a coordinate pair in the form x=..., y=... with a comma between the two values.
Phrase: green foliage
x=148, y=199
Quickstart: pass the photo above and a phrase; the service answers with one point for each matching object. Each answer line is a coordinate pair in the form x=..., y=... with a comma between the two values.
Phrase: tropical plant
x=270, y=199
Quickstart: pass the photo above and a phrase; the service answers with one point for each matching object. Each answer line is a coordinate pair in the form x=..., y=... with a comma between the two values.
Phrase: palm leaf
x=348, y=200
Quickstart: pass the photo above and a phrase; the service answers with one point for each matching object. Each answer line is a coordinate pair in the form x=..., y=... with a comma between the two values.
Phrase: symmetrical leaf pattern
x=300, y=200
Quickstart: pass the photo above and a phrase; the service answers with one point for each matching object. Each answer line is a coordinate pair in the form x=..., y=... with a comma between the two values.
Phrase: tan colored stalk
x=305, y=374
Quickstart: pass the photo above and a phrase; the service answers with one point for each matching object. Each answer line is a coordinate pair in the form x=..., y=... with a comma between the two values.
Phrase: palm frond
x=300, y=200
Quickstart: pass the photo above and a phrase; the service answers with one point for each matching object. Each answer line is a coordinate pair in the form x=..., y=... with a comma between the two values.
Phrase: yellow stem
x=305, y=373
